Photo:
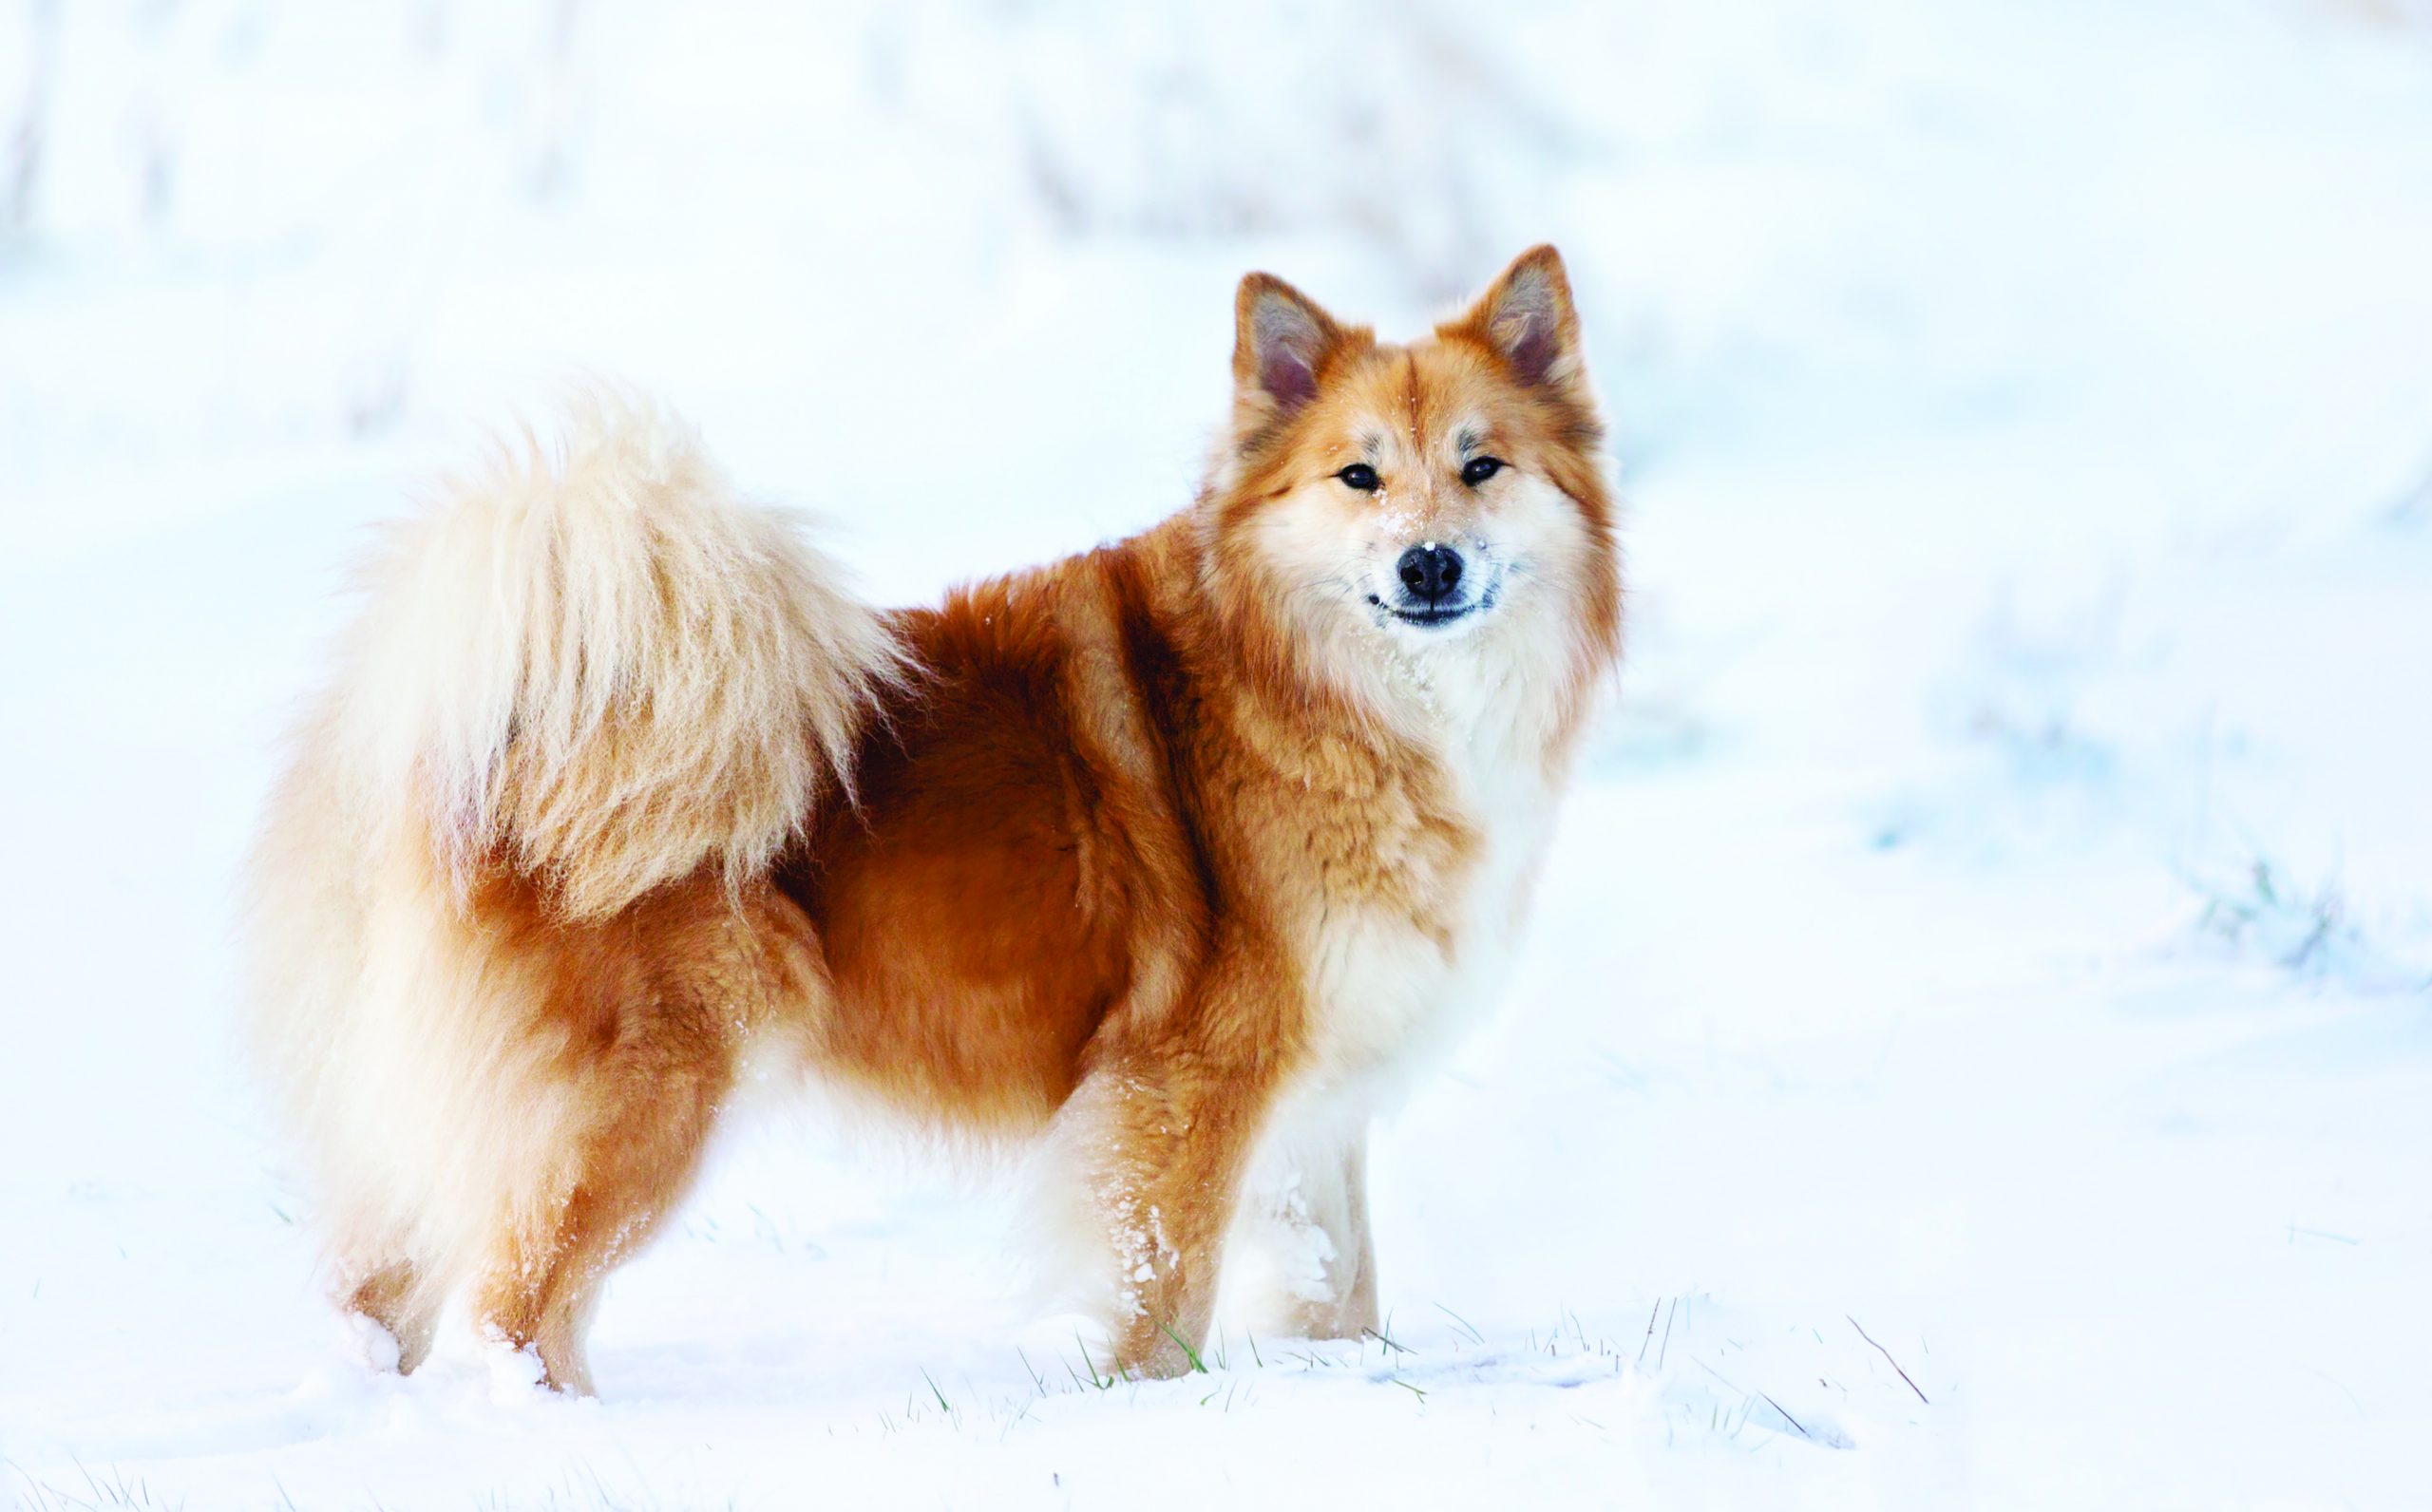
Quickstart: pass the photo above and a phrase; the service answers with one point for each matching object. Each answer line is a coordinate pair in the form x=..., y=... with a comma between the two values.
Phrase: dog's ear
x=1282, y=341
x=1526, y=318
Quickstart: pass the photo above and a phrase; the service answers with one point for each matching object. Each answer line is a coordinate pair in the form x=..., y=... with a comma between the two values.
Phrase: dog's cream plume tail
x=600, y=668
x=589, y=672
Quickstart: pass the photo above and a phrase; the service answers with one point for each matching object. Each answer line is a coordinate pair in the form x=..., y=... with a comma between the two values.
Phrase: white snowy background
x=1975, y=1047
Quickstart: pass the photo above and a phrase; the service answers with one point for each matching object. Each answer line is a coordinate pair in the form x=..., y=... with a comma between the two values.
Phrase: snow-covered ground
x=1975, y=1047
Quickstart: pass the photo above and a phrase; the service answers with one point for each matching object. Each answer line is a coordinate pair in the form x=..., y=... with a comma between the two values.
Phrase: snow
x=1974, y=1042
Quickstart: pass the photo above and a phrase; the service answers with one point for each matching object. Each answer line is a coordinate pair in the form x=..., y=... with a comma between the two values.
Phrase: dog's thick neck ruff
x=1166, y=861
x=1449, y=741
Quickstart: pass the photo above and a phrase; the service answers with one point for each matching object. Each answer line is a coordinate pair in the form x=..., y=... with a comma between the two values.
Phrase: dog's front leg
x=1168, y=1125
x=1177, y=1140
x=1330, y=1196
x=1304, y=1223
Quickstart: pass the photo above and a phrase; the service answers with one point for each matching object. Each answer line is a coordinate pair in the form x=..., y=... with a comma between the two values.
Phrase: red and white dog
x=1170, y=857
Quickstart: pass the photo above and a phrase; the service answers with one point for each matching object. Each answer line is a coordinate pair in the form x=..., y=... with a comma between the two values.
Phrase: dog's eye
x=1360, y=476
x=1478, y=469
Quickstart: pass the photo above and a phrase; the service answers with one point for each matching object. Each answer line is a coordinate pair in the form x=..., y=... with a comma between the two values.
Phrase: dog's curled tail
x=598, y=667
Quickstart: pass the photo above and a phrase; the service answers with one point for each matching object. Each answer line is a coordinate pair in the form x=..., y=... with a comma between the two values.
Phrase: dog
x=1168, y=863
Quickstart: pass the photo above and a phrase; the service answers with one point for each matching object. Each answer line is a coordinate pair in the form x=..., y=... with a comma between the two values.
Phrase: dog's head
x=1406, y=505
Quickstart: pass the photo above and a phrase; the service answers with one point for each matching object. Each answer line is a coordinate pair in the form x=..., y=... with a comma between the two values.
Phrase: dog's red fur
x=1085, y=879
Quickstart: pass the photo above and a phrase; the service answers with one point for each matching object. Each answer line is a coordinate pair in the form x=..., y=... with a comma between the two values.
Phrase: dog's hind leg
x=609, y=1191
x=668, y=996
x=393, y=1296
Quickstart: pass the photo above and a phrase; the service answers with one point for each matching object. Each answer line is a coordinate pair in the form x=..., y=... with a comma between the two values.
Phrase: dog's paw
x=515, y=1375
x=365, y=1341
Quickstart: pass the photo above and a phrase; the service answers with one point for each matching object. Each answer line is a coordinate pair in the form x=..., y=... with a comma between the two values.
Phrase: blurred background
x=1794, y=224
x=2013, y=803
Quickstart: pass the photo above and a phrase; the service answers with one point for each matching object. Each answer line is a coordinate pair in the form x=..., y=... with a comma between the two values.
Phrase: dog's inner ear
x=1527, y=317
x=1280, y=343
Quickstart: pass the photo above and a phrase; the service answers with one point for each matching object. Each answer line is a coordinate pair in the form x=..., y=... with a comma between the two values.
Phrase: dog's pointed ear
x=1281, y=340
x=1526, y=318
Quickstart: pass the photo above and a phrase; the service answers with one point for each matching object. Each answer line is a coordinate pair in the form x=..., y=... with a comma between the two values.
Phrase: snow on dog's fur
x=1170, y=859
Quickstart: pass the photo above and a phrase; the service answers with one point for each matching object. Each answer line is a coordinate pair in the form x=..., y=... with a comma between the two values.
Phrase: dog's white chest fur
x=1389, y=990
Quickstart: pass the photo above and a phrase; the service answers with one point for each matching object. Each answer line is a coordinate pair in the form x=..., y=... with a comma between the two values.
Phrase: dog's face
x=1433, y=499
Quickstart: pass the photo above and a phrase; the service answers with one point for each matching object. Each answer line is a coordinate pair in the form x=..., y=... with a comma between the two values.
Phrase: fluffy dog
x=1169, y=858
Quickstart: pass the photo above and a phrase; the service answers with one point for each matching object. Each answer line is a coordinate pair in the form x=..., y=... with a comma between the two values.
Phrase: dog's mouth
x=1432, y=616
x=1428, y=615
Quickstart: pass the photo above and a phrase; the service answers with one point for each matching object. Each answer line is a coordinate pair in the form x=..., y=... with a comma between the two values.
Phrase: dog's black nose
x=1431, y=573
